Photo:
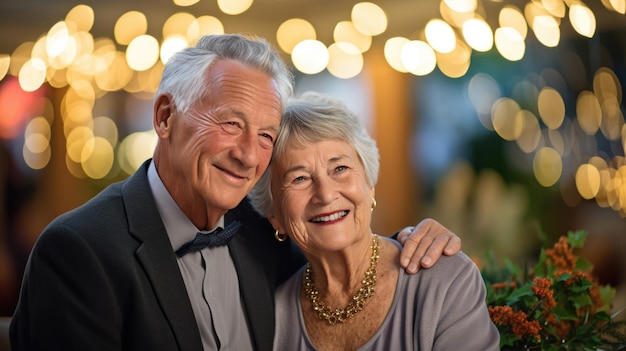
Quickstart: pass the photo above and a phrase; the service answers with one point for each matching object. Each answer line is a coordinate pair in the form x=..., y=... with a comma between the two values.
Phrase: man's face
x=222, y=146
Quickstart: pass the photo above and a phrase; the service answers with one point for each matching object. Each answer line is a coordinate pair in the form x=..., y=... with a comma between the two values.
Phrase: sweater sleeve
x=456, y=304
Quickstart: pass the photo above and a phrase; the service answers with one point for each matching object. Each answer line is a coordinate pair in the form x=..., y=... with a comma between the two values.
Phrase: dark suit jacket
x=104, y=277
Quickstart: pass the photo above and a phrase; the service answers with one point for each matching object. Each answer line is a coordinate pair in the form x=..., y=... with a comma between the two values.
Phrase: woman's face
x=321, y=196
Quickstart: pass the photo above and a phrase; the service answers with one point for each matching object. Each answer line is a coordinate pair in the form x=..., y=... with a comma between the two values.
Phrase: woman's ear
x=276, y=224
x=163, y=110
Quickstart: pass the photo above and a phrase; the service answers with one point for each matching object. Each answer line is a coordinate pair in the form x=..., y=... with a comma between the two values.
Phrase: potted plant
x=556, y=305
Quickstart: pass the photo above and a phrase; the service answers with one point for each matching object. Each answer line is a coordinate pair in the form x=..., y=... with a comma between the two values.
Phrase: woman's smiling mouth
x=330, y=218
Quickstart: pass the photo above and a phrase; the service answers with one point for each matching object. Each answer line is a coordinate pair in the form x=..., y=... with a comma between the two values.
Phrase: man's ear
x=163, y=110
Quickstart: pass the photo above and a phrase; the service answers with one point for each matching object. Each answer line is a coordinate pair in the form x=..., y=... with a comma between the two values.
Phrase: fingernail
x=412, y=267
x=426, y=260
x=404, y=262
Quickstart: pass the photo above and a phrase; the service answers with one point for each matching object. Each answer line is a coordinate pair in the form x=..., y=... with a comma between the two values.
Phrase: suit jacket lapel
x=156, y=256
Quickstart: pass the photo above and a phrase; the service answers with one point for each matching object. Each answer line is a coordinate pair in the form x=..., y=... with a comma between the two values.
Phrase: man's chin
x=228, y=203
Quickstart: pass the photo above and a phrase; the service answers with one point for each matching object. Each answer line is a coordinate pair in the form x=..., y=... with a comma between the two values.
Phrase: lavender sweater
x=440, y=308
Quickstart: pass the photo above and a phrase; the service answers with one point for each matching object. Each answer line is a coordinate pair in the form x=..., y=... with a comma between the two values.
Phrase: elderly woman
x=353, y=294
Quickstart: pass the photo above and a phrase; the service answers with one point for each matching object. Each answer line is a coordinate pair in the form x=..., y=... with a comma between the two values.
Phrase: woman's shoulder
x=448, y=268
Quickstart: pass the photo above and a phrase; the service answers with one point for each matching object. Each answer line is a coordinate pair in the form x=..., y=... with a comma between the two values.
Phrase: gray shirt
x=209, y=275
x=440, y=308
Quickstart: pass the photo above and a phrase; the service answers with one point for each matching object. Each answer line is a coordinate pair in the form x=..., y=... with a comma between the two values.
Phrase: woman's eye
x=340, y=168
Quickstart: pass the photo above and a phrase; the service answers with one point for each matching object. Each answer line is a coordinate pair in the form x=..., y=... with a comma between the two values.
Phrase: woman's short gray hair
x=184, y=74
x=310, y=119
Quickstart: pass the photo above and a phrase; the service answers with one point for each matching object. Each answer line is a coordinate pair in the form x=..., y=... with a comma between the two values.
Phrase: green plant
x=556, y=305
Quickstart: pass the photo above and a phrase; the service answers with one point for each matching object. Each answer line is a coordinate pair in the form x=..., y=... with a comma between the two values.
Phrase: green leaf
x=517, y=294
x=508, y=339
x=583, y=265
x=577, y=238
x=607, y=294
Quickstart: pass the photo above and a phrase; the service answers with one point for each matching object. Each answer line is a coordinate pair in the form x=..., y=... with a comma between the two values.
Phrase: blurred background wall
x=503, y=120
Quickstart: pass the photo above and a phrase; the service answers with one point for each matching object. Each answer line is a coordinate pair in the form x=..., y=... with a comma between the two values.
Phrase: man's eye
x=230, y=125
x=268, y=136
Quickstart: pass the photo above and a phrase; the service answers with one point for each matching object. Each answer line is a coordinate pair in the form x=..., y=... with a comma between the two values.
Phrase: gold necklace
x=358, y=301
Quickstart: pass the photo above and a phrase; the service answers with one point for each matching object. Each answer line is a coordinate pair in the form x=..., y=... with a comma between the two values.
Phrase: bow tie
x=218, y=237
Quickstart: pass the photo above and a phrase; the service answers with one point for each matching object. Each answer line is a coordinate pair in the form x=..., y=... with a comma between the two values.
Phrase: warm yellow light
x=83, y=89
x=106, y=128
x=36, y=143
x=393, y=48
x=36, y=160
x=369, y=19
x=310, y=56
x=345, y=60
x=204, y=25
x=114, y=61
x=234, y=7
x=76, y=140
x=135, y=149
x=461, y=5
x=511, y=16
x=506, y=120
x=5, y=62
x=547, y=166
x=478, y=34
x=440, y=36
x=588, y=112
x=129, y=26
x=453, y=17
x=418, y=57
x=97, y=158
x=510, y=43
x=178, y=24
x=546, y=30
x=345, y=31
x=618, y=6
x=455, y=63
x=587, y=181
x=142, y=53
x=81, y=17
x=67, y=56
x=606, y=85
x=293, y=31
x=57, y=39
x=32, y=75
x=582, y=19
x=612, y=119
x=172, y=45
x=530, y=136
x=39, y=129
x=551, y=107
x=184, y=3
x=555, y=7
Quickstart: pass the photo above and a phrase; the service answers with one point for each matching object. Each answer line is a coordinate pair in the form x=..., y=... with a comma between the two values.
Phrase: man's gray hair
x=184, y=74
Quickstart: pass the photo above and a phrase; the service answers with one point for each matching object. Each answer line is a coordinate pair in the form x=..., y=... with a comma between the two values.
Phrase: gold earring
x=373, y=203
x=280, y=237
